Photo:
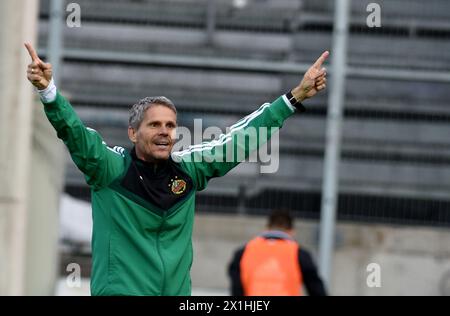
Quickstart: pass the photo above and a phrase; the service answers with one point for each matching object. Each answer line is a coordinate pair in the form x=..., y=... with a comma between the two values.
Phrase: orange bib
x=270, y=267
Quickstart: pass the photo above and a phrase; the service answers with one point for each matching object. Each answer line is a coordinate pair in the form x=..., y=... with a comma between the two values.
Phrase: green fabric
x=137, y=248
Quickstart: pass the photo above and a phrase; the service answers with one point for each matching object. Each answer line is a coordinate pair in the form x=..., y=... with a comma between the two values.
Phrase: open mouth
x=162, y=144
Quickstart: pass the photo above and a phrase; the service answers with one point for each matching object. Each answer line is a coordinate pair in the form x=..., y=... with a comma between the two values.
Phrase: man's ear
x=132, y=134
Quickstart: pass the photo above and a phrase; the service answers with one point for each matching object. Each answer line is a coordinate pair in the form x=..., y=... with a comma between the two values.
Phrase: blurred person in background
x=143, y=200
x=274, y=264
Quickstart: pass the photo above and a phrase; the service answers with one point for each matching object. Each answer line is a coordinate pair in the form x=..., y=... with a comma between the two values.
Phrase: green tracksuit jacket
x=143, y=214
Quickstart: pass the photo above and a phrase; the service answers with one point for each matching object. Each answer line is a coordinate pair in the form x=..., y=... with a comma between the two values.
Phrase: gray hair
x=138, y=110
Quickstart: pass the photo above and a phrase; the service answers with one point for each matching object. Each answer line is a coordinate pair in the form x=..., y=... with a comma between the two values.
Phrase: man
x=143, y=201
x=274, y=264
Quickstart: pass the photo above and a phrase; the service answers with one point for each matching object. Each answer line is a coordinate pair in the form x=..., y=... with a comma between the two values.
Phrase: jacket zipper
x=159, y=253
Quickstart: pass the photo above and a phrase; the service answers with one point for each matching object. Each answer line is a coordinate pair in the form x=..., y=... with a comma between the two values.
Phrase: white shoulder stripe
x=117, y=150
x=224, y=138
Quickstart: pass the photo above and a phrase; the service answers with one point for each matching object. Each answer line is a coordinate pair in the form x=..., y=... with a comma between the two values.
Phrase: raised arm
x=99, y=163
x=214, y=159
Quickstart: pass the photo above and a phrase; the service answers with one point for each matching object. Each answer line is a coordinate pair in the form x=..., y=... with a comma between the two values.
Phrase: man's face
x=155, y=136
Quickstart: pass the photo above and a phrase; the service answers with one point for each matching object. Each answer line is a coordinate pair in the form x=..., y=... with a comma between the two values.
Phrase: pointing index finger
x=32, y=52
x=321, y=60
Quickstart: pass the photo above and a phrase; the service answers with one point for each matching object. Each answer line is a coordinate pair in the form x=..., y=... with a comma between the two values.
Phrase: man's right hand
x=38, y=73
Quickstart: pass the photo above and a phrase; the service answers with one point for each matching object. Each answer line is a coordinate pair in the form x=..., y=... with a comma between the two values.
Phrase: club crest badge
x=178, y=186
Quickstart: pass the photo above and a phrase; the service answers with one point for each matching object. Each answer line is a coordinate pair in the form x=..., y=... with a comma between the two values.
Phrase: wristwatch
x=297, y=104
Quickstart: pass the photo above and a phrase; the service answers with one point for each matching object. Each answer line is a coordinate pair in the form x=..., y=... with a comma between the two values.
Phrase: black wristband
x=297, y=104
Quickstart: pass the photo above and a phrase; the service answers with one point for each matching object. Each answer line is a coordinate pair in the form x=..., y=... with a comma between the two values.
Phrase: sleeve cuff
x=288, y=104
x=293, y=103
x=48, y=94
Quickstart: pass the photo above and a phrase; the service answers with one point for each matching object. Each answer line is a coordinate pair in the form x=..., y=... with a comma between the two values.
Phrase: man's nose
x=163, y=131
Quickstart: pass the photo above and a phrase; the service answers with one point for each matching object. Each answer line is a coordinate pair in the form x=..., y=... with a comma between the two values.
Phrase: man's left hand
x=313, y=81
